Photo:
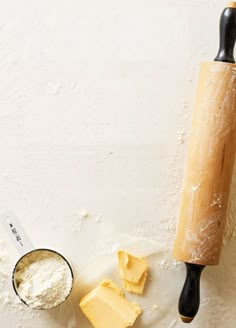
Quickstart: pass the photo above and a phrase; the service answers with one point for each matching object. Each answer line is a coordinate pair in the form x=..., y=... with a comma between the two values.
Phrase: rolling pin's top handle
x=227, y=34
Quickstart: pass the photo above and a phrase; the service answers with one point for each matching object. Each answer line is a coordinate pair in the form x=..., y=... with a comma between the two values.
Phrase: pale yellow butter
x=136, y=288
x=133, y=271
x=106, y=307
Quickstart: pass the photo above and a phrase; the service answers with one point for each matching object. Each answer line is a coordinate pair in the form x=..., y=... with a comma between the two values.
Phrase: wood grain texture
x=231, y=5
x=208, y=174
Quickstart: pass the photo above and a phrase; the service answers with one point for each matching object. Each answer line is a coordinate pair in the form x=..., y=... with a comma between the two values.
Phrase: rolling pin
x=209, y=169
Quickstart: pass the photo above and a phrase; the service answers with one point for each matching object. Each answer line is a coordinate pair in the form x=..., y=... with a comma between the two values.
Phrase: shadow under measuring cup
x=42, y=278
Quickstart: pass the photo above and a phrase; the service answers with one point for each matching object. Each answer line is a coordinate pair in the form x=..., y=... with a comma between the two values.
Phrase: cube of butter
x=106, y=307
x=133, y=271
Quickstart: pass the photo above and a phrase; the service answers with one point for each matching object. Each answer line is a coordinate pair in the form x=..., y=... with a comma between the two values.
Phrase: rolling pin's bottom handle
x=189, y=300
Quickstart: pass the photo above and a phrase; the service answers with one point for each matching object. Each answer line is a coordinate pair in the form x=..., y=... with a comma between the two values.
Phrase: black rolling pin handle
x=227, y=36
x=189, y=300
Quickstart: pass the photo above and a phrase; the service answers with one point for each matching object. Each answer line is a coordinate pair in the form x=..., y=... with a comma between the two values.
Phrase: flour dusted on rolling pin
x=209, y=169
x=43, y=279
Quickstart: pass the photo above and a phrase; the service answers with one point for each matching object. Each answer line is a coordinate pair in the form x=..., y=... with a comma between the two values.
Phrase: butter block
x=107, y=307
x=136, y=288
x=133, y=271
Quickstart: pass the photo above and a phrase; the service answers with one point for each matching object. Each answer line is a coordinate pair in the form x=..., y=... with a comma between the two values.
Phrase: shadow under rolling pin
x=207, y=179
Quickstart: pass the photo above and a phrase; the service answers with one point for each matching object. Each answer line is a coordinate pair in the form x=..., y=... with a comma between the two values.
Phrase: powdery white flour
x=43, y=279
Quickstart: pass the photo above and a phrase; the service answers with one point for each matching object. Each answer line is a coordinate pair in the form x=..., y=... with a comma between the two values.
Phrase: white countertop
x=95, y=110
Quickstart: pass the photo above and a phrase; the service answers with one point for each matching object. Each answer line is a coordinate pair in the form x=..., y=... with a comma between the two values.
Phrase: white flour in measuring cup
x=43, y=279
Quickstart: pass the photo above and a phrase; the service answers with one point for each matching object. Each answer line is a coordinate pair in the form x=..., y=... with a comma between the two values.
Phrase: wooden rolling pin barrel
x=208, y=174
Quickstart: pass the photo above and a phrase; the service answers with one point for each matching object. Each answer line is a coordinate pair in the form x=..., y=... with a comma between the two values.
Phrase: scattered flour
x=180, y=136
x=43, y=279
x=98, y=219
x=79, y=218
x=217, y=200
x=84, y=214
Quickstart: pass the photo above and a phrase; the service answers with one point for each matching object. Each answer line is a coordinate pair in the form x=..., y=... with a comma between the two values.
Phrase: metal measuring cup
x=26, y=248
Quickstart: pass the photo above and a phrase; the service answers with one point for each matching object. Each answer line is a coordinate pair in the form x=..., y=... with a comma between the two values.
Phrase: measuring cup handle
x=16, y=232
